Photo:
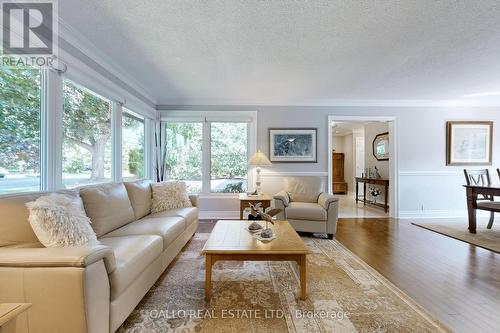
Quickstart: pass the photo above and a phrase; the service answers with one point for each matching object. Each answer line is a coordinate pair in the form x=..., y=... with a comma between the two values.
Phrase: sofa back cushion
x=15, y=229
x=139, y=193
x=303, y=189
x=108, y=207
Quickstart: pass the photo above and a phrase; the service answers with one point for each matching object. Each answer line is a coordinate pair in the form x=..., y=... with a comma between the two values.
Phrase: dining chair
x=482, y=177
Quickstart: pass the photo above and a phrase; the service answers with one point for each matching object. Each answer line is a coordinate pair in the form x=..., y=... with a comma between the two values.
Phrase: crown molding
x=82, y=44
x=227, y=104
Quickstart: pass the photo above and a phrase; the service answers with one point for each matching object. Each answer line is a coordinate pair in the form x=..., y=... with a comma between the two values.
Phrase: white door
x=360, y=157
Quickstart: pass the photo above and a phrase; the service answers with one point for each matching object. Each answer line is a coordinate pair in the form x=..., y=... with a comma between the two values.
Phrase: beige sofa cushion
x=15, y=230
x=108, y=207
x=303, y=189
x=169, y=228
x=139, y=193
x=133, y=254
x=306, y=211
x=190, y=214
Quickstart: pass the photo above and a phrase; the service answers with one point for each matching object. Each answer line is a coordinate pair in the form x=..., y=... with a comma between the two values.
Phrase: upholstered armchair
x=306, y=207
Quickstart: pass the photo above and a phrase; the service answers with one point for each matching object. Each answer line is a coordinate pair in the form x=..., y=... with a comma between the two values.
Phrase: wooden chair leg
x=492, y=218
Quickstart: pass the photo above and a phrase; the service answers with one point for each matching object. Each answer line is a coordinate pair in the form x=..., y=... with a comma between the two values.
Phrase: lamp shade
x=259, y=159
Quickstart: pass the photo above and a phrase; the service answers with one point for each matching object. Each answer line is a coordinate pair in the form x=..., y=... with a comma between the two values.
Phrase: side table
x=246, y=200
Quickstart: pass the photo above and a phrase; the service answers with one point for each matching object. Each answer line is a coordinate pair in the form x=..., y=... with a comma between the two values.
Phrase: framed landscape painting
x=293, y=145
x=469, y=142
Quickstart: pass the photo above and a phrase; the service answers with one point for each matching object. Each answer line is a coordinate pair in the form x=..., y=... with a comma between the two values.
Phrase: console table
x=373, y=181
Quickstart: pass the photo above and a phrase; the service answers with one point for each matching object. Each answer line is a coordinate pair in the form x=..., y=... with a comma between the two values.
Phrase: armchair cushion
x=325, y=199
x=81, y=256
x=303, y=189
x=306, y=211
x=283, y=196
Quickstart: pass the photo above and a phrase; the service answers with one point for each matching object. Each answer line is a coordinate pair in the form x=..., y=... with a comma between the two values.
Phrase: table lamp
x=258, y=159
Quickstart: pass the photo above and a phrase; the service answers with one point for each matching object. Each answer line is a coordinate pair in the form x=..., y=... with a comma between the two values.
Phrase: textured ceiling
x=297, y=52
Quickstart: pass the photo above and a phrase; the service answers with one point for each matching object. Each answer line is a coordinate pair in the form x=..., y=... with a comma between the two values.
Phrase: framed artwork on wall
x=293, y=145
x=469, y=142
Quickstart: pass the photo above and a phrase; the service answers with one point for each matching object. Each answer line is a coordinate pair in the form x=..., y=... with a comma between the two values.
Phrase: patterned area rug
x=344, y=295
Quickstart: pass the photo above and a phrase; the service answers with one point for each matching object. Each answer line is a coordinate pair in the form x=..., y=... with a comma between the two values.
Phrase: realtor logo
x=28, y=27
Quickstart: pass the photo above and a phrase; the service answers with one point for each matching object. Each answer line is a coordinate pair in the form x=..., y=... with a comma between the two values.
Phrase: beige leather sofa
x=306, y=207
x=91, y=288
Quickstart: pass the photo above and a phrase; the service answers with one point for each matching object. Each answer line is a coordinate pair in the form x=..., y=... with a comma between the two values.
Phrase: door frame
x=393, y=161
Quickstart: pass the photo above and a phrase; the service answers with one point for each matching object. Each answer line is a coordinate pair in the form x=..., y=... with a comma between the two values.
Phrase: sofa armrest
x=325, y=199
x=81, y=256
x=283, y=197
x=194, y=199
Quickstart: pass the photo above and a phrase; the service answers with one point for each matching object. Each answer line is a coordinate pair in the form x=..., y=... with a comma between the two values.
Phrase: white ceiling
x=298, y=52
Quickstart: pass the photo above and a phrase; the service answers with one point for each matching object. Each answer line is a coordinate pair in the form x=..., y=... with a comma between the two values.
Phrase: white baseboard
x=214, y=215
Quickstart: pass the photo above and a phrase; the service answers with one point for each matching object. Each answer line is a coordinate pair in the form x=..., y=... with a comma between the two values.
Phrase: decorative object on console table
x=293, y=145
x=258, y=159
x=469, y=142
x=380, y=147
x=375, y=192
x=339, y=185
x=373, y=181
x=246, y=200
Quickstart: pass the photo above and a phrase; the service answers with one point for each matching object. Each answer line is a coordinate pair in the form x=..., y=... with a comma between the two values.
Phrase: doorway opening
x=362, y=165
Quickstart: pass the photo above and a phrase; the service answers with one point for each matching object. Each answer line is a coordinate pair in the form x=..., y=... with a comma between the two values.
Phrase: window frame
x=42, y=138
x=115, y=126
x=206, y=118
x=132, y=114
x=51, y=128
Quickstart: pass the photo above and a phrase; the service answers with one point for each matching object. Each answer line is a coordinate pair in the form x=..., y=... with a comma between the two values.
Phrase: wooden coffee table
x=230, y=241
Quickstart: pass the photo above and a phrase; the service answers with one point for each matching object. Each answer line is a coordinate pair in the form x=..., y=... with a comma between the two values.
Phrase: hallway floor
x=349, y=209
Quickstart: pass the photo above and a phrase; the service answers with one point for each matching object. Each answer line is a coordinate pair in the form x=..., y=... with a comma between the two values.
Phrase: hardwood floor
x=458, y=283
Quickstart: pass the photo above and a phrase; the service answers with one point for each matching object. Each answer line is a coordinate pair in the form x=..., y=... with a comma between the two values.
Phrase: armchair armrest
x=194, y=199
x=81, y=256
x=283, y=197
x=325, y=199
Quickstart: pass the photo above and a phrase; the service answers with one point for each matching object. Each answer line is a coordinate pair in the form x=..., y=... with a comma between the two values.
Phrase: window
x=221, y=167
x=228, y=157
x=132, y=145
x=184, y=153
x=19, y=129
x=87, y=140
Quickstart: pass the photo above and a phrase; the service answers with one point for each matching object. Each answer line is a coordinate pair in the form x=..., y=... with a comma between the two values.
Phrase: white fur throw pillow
x=59, y=220
x=169, y=195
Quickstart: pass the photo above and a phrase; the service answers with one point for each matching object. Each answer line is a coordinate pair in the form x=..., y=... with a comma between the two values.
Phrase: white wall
x=427, y=187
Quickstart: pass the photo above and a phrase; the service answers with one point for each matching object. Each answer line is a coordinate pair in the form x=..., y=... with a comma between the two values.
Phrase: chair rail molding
x=454, y=173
